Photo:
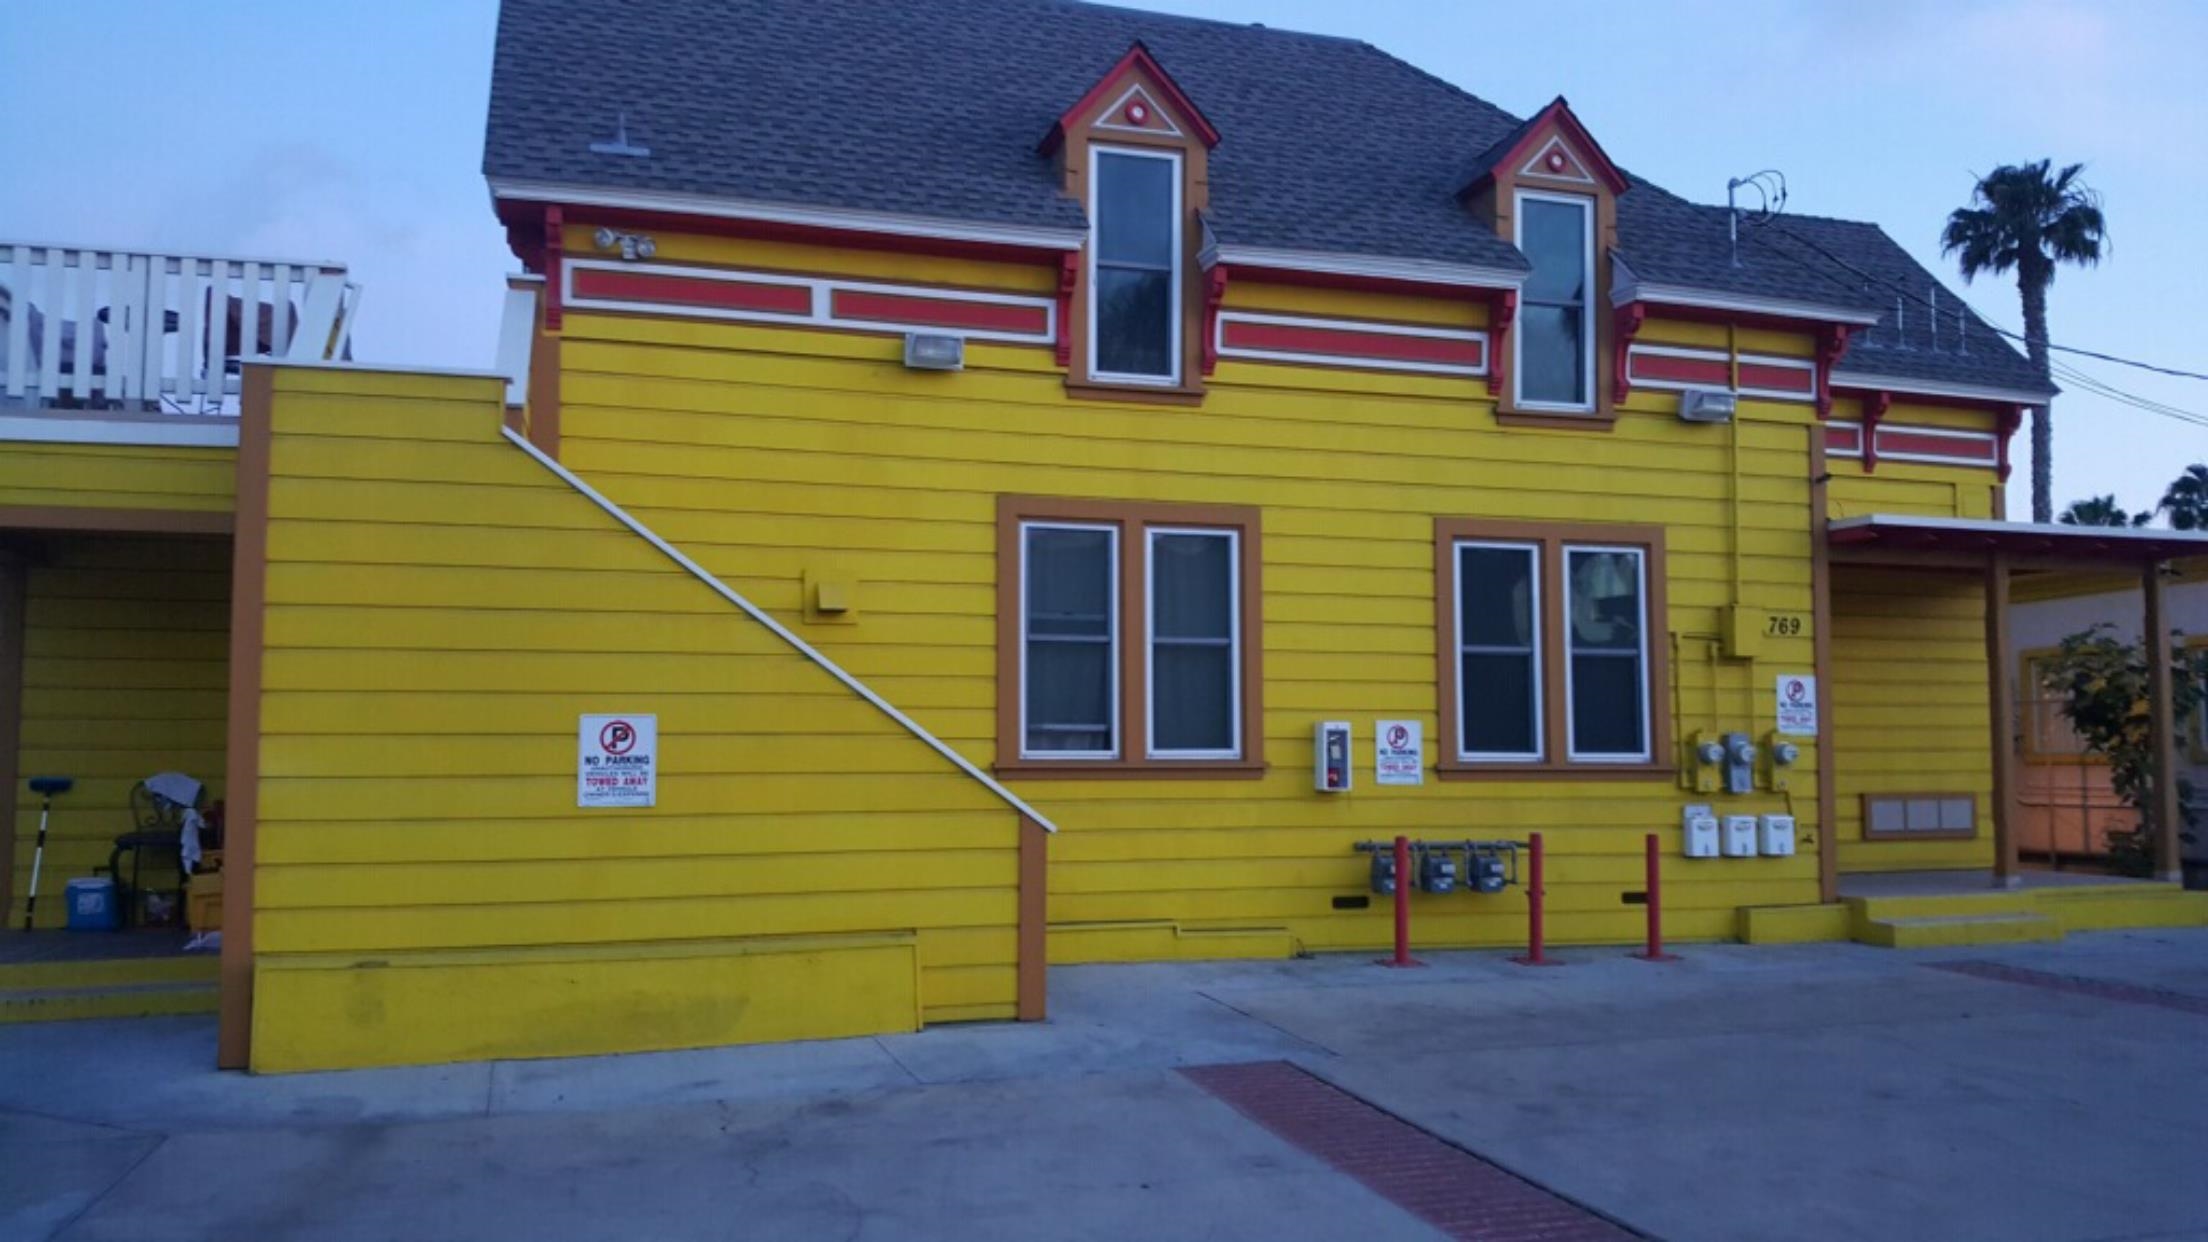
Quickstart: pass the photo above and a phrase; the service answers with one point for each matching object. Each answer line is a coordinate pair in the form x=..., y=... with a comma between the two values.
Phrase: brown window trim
x=1944, y=834
x=1130, y=518
x=1551, y=538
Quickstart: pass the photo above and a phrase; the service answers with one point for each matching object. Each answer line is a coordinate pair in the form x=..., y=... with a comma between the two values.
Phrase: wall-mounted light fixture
x=633, y=246
x=935, y=351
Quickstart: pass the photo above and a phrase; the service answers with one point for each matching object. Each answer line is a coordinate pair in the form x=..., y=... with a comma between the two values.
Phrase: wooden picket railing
x=91, y=331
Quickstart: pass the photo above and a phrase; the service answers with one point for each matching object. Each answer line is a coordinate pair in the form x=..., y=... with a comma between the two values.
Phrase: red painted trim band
x=1770, y=378
x=937, y=312
x=1350, y=344
x=1671, y=368
x=1926, y=444
x=796, y=300
x=1843, y=439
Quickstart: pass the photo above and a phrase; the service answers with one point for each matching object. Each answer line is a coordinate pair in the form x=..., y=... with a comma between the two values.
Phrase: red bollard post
x=1403, y=881
x=1537, y=893
x=1655, y=950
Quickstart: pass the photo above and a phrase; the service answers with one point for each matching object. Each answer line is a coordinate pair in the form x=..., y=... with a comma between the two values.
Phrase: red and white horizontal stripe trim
x=814, y=301
x=1936, y=446
x=1761, y=375
x=1361, y=343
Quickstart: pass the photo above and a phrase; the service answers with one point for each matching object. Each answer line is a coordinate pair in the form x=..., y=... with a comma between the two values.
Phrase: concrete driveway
x=1830, y=1091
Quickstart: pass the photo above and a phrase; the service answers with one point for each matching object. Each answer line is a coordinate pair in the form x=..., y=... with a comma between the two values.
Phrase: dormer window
x=1135, y=265
x=1556, y=327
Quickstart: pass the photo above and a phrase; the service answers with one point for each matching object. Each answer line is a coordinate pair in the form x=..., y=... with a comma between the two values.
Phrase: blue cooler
x=92, y=905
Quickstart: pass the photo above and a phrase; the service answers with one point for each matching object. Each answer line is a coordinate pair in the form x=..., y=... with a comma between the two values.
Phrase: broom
x=45, y=787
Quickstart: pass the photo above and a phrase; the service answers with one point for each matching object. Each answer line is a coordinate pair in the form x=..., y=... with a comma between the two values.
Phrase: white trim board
x=803, y=648
x=1865, y=382
x=1363, y=361
x=847, y=219
x=1371, y=267
x=177, y=430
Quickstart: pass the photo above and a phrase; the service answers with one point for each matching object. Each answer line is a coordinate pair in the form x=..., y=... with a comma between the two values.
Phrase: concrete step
x=1952, y=930
x=127, y=1001
x=110, y=971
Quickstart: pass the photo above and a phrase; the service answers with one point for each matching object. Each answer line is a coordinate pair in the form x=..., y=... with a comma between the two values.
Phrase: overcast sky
x=352, y=130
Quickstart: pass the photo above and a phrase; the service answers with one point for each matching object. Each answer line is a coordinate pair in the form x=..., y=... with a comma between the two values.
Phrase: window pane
x=1069, y=581
x=1606, y=704
x=1191, y=578
x=1069, y=695
x=1496, y=701
x=1192, y=697
x=1554, y=237
x=1606, y=600
x=1134, y=210
x=1552, y=361
x=1070, y=625
x=1495, y=596
x=1134, y=321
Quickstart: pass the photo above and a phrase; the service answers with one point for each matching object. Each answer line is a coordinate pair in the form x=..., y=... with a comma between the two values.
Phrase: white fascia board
x=179, y=430
x=1627, y=287
x=1936, y=388
x=803, y=648
x=1423, y=271
x=848, y=220
x=1993, y=526
x=379, y=368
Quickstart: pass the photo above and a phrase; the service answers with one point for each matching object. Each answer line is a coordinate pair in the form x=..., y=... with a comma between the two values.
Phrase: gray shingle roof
x=935, y=110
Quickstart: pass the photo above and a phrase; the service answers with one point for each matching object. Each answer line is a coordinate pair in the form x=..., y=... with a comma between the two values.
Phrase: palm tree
x=2187, y=499
x=2101, y=511
x=2022, y=217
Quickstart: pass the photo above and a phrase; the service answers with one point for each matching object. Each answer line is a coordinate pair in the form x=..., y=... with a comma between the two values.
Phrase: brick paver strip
x=2080, y=985
x=1447, y=1187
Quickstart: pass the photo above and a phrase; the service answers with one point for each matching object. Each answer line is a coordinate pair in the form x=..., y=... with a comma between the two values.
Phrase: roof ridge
x=1155, y=14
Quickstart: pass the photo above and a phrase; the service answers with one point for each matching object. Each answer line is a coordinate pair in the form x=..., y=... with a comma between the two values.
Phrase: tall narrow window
x=1070, y=640
x=1135, y=261
x=1195, y=670
x=1499, y=651
x=1606, y=634
x=1555, y=336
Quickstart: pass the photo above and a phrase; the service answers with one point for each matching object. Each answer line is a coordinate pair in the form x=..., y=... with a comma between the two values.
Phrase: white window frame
x=1533, y=551
x=1572, y=752
x=1113, y=626
x=1233, y=536
x=1586, y=206
x=1175, y=345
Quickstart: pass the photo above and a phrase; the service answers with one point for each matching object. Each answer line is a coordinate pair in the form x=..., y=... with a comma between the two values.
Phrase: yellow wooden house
x=971, y=461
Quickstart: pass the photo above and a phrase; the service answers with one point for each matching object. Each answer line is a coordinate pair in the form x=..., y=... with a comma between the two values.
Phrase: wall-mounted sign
x=1399, y=753
x=617, y=761
x=1798, y=704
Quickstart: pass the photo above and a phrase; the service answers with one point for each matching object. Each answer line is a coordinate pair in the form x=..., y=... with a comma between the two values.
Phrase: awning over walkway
x=2026, y=544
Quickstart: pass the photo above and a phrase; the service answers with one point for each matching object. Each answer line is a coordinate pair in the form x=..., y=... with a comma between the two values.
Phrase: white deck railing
x=89, y=331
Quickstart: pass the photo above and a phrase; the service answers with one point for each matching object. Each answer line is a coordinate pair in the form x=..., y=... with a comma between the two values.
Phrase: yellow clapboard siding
x=447, y=883
x=117, y=476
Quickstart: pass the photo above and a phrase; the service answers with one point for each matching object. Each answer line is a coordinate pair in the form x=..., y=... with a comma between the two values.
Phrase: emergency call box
x=1330, y=757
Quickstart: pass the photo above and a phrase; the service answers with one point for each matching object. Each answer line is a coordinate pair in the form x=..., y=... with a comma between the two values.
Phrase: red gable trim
x=1558, y=116
x=1137, y=57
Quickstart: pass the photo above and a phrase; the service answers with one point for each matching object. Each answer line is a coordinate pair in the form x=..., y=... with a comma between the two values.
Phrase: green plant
x=2103, y=683
x=2102, y=511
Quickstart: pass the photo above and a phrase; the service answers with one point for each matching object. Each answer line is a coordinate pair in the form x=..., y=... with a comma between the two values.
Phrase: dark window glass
x=1604, y=629
x=1134, y=265
x=1070, y=625
x=1552, y=323
x=1193, y=635
x=1497, y=650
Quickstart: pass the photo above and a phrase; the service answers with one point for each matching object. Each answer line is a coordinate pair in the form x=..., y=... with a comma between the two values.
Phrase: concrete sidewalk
x=1821, y=1091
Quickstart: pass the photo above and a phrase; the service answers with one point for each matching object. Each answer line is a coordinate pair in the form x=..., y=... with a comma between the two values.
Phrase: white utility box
x=1330, y=759
x=1740, y=836
x=1778, y=836
x=1699, y=826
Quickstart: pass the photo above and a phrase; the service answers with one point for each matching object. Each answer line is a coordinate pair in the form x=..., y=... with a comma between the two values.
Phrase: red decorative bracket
x=1625, y=324
x=2011, y=419
x=1215, y=292
x=1832, y=342
x=555, y=231
x=1069, y=273
x=1502, y=312
x=1875, y=406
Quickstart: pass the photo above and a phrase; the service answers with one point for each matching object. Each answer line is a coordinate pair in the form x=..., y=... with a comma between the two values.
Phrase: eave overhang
x=1934, y=539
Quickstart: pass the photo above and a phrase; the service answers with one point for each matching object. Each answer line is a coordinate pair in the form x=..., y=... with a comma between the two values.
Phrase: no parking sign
x=1798, y=704
x=617, y=761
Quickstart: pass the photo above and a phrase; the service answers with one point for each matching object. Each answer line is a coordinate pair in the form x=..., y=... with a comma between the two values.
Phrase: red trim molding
x=1832, y=343
x=555, y=224
x=1878, y=440
x=1626, y=324
x=816, y=301
x=1501, y=314
x=1069, y=276
x=1875, y=406
x=1215, y=292
x=1137, y=59
x=1352, y=343
x=1678, y=367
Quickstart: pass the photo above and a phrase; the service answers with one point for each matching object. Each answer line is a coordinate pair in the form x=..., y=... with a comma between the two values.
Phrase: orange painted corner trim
x=1820, y=640
x=542, y=415
x=1034, y=922
x=108, y=519
x=248, y=596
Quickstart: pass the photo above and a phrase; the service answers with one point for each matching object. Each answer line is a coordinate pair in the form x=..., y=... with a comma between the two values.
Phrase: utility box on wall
x=1739, y=836
x=1699, y=826
x=1778, y=836
x=1330, y=757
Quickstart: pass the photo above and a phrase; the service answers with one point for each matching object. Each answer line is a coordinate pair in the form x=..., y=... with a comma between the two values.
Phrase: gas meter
x=1437, y=871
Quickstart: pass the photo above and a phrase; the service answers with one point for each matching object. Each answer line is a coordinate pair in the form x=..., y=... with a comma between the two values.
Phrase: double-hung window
x=1132, y=635
x=1551, y=644
x=1555, y=336
x=1135, y=266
